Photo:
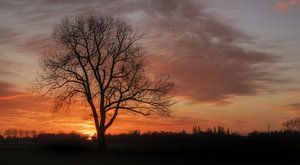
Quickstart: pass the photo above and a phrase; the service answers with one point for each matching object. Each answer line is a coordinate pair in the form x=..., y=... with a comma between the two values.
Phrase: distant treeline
x=33, y=134
x=213, y=135
x=291, y=126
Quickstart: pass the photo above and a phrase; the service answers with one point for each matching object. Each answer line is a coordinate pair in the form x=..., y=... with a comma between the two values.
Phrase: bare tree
x=11, y=133
x=99, y=62
x=292, y=125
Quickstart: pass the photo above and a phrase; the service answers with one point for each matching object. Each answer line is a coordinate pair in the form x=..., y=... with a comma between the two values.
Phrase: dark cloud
x=12, y=99
x=5, y=65
x=38, y=45
x=200, y=51
x=295, y=106
x=7, y=34
x=7, y=90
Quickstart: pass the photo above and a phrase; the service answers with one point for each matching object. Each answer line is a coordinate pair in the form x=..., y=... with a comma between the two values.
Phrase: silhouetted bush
x=1, y=138
x=60, y=138
x=19, y=133
x=292, y=125
x=134, y=132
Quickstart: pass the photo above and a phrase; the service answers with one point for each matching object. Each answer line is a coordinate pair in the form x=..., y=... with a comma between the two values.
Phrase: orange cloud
x=284, y=5
x=21, y=110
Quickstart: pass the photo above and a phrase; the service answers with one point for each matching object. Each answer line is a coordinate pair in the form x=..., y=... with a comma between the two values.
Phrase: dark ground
x=206, y=149
x=53, y=155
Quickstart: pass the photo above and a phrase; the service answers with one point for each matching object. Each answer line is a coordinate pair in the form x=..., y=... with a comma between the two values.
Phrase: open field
x=160, y=149
x=31, y=154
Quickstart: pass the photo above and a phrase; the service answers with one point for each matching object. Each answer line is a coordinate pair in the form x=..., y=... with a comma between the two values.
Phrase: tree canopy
x=99, y=61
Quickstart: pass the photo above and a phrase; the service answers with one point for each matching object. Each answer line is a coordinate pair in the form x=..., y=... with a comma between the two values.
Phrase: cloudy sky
x=235, y=62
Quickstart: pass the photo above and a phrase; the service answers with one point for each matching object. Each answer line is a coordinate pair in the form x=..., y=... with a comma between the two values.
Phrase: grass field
x=278, y=148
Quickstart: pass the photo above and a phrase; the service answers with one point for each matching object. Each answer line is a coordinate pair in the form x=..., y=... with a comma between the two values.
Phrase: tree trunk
x=101, y=140
x=101, y=135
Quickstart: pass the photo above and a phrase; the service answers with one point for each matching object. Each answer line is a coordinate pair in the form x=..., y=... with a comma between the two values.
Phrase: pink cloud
x=197, y=49
x=284, y=5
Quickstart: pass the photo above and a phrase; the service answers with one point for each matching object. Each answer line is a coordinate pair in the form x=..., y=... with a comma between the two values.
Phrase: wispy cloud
x=199, y=50
x=294, y=106
x=202, y=53
x=4, y=66
x=285, y=5
x=7, y=34
x=8, y=90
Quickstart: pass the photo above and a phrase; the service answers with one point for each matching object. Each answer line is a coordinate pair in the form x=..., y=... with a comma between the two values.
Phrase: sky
x=235, y=63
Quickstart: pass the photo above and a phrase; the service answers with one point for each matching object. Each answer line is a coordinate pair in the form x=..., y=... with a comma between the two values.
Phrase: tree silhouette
x=292, y=125
x=99, y=62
